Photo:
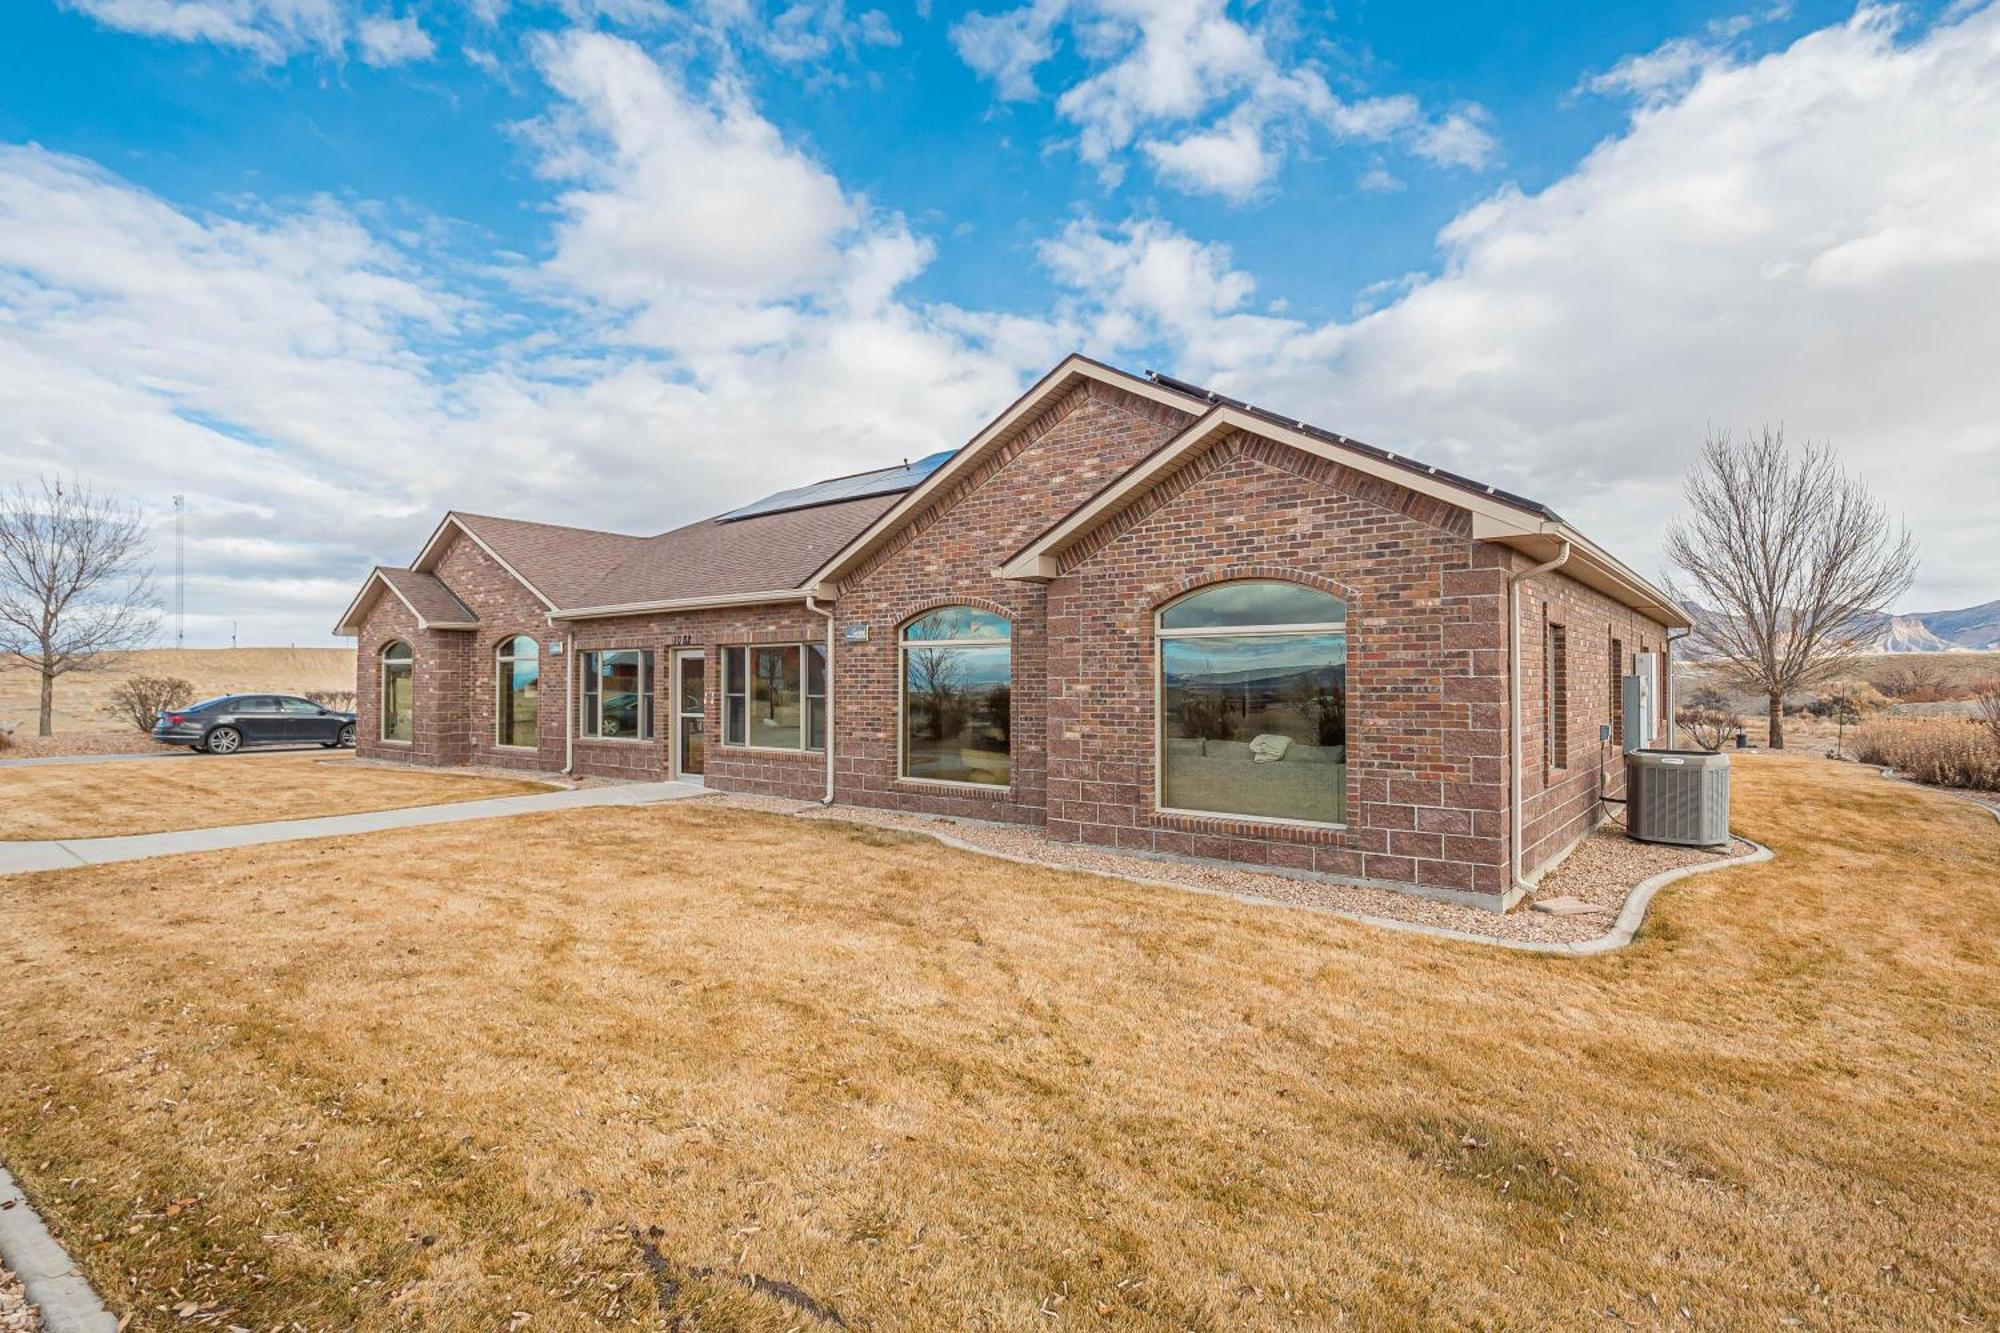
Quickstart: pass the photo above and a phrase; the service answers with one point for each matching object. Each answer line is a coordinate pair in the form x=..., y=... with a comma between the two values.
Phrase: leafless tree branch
x=1792, y=560
x=74, y=588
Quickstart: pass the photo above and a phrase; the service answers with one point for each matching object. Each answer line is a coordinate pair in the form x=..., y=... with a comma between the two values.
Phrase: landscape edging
x=67, y=1302
x=1630, y=917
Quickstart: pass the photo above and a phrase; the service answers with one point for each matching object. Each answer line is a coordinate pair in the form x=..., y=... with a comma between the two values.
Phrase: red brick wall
x=947, y=556
x=1560, y=805
x=438, y=722
x=1426, y=660
x=505, y=608
x=457, y=682
x=798, y=774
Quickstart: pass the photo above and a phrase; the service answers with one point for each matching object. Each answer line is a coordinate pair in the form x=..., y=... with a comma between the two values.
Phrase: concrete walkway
x=20, y=857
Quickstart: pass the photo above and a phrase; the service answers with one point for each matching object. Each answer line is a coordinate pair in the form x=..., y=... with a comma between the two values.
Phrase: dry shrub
x=339, y=700
x=1986, y=700
x=1947, y=751
x=142, y=699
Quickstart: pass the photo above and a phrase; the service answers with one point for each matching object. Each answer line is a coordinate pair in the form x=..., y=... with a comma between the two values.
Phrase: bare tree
x=1793, y=559
x=73, y=585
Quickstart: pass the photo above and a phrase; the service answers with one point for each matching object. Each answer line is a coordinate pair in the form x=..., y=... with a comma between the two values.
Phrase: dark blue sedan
x=228, y=724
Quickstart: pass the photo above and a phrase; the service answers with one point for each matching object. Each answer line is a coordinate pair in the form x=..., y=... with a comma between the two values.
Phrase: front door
x=690, y=695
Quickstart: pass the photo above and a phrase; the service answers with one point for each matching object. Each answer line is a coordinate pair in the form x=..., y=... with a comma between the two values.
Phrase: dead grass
x=81, y=695
x=606, y=1068
x=154, y=795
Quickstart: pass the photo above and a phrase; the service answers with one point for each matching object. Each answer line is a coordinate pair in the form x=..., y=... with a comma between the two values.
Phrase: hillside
x=80, y=696
x=1968, y=629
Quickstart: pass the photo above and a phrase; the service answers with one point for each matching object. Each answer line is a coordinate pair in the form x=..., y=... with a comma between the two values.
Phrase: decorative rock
x=1566, y=907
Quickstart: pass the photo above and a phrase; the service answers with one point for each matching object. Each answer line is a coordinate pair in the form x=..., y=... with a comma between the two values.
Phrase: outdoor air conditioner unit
x=1677, y=796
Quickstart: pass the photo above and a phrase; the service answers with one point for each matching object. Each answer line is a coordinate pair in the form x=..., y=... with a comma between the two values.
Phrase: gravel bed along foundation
x=16, y=1315
x=1604, y=868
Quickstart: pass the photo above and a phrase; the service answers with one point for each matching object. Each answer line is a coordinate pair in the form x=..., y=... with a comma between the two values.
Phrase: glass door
x=690, y=714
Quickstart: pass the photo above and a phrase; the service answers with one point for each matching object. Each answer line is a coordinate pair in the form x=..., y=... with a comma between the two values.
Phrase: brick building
x=1129, y=610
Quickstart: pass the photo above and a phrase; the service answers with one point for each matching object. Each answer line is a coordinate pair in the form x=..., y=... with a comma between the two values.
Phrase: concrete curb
x=67, y=1303
x=1630, y=917
x=23, y=857
x=1945, y=792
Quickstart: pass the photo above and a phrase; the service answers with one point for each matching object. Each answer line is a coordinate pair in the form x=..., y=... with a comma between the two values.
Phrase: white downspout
x=812, y=605
x=1514, y=802
x=569, y=703
x=1667, y=653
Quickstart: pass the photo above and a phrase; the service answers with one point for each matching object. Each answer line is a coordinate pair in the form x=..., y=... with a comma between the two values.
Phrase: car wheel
x=345, y=740
x=223, y=740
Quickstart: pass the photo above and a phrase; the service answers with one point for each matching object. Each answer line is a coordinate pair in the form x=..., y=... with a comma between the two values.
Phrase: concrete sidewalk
x=20, y=857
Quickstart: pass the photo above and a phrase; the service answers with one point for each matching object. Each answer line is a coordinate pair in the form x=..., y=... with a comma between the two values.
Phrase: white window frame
x=593, y=683
x=808, y=709
x=503, y=679
x=408, y=665
x=903, y=645
x=1160, y=637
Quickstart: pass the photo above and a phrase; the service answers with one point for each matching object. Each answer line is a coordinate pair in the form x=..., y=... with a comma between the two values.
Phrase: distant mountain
x=1970, y=629
x=1909, y=634
x=1974, y=628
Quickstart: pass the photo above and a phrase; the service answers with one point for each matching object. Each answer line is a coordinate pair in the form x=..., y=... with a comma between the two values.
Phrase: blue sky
x=332, y=267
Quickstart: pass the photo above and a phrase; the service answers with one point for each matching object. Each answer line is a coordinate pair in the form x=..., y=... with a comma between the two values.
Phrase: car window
x=304, y=706
x=206, y=704
x=257, y=703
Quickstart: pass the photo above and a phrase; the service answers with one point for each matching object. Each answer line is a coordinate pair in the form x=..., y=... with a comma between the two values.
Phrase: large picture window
x=1253, y=703
x=958, y=697
x=519, y=680
x=774, y=697
x=618, y=695
x=399, y=693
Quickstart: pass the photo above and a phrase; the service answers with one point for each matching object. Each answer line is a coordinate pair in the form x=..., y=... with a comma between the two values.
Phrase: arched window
x=1253, y=703
x=399, y=693
x=958, y=696
x=518, y=678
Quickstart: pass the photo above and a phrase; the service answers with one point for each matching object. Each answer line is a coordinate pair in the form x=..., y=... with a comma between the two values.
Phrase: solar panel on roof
x=882, y=481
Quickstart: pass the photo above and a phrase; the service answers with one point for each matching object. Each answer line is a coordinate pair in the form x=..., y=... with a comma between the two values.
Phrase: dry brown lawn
x=154, y=795
x=602, y=1069
x=80, y=696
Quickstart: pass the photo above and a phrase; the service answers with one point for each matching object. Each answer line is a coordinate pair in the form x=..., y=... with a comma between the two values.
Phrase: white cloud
x=269, y=29
x=1006, y=47
x=387, y=41
x=1810, y=238
x=1202, y=96
x=276, y=30
x=321, y=394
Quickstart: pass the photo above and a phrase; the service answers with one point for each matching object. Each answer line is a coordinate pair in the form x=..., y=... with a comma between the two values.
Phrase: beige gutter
x=682, y=604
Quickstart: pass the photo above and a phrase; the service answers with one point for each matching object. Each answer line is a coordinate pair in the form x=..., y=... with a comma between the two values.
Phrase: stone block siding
x=1426, y=667
x=1559, y=805
x=947, y=556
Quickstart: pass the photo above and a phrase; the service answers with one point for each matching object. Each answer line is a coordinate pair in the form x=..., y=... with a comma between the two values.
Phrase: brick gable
x=1425, y=667
x=947, y=554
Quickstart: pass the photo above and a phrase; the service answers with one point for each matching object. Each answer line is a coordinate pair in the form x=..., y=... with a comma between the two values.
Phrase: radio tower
x=180, y=570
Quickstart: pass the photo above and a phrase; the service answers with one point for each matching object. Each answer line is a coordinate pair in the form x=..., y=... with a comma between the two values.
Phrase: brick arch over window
x=1244, y=573
x=939, y=603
